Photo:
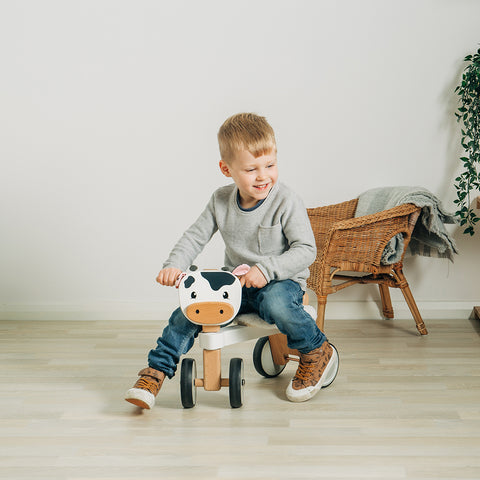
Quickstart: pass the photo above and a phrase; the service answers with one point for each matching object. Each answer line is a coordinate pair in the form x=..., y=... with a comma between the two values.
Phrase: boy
x=264, y=225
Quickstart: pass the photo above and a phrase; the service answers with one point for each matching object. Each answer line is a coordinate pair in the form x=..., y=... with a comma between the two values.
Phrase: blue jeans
x=279, y=303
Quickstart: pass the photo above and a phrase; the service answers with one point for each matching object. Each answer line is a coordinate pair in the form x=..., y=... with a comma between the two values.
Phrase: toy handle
x=179, y=279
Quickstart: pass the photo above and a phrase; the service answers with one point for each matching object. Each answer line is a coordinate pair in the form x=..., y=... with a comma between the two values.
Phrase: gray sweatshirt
x=276, y=236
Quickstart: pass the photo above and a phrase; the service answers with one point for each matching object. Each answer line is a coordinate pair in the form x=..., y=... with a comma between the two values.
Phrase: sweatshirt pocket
x=271, y=240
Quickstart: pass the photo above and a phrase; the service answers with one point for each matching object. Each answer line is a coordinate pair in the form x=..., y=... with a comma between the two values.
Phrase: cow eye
x=225, y=294
x=193, y=295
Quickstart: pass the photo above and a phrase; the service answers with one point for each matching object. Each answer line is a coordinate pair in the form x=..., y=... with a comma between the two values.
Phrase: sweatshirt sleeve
x=301, y=251
x=193, y=241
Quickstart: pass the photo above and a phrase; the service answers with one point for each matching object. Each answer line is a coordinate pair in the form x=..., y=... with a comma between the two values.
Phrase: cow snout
x=210, y=313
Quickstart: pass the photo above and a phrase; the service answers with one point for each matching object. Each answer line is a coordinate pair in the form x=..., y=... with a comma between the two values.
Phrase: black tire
x=333, y=374
x=236, y=382
x=188, y=390
x=263, y=360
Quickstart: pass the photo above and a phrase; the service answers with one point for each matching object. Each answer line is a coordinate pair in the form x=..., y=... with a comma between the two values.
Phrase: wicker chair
x=348, y=246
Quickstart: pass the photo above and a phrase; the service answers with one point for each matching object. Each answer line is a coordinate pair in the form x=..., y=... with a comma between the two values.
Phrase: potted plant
x=468, y=114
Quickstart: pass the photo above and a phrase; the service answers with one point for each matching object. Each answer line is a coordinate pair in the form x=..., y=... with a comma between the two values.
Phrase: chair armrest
x=400, y=211
x=357, y=244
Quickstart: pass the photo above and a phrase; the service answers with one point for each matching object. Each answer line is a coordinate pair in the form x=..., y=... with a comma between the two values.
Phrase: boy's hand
x=168, y=276
x=253, y=279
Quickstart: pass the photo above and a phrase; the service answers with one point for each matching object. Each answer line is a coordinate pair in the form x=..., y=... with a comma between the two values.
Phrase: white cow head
x=210, y=297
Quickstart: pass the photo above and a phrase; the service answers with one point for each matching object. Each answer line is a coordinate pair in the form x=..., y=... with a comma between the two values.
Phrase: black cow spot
x=217, y=280
x=188, y=281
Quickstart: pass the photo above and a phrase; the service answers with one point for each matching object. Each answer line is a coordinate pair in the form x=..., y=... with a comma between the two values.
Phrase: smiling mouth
x=262, y=187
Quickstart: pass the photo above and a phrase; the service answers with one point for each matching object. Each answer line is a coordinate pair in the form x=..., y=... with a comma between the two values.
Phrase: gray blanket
x=430, y=237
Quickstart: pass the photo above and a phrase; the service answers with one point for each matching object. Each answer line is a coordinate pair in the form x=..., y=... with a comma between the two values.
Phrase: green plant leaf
x=468, y=111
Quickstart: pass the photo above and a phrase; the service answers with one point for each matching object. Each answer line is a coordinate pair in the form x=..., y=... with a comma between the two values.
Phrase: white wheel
x=331, y=376
x=263, y=360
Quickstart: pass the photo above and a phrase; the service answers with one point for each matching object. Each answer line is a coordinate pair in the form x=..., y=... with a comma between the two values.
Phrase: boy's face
x=254, y=177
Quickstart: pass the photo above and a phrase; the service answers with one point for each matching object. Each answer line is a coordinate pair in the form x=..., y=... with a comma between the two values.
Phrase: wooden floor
x=402, y=407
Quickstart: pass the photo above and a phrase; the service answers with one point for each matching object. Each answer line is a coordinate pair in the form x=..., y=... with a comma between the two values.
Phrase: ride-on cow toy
x=212, y=298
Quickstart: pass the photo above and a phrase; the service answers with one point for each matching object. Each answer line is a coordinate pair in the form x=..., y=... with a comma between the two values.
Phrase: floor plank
x=402, y=407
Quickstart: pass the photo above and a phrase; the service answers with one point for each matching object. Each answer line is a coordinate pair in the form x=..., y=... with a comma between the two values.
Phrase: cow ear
x=193, y=268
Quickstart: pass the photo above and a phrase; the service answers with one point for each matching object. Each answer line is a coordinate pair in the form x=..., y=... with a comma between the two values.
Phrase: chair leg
x=407, y=293
x=321, y=306
x=386, y=300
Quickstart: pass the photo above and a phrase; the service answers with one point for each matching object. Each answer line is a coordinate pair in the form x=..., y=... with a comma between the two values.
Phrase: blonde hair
x=246, y=131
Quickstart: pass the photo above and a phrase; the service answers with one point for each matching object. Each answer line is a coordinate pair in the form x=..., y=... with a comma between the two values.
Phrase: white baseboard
x=161, y=311
x=371, y=309
x=90, y=311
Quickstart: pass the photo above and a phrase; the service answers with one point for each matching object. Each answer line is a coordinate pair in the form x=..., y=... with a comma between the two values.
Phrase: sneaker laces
x=148, y=383
x=304, y=371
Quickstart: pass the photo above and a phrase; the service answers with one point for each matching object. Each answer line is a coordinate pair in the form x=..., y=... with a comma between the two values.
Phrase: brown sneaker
x=313, y=369
x=146, y=388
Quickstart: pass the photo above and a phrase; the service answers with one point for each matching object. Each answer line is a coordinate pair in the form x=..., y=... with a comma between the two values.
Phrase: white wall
x=109, y=112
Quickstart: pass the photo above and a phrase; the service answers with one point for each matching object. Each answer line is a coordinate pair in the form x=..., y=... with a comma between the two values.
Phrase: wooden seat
x=349, y=252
